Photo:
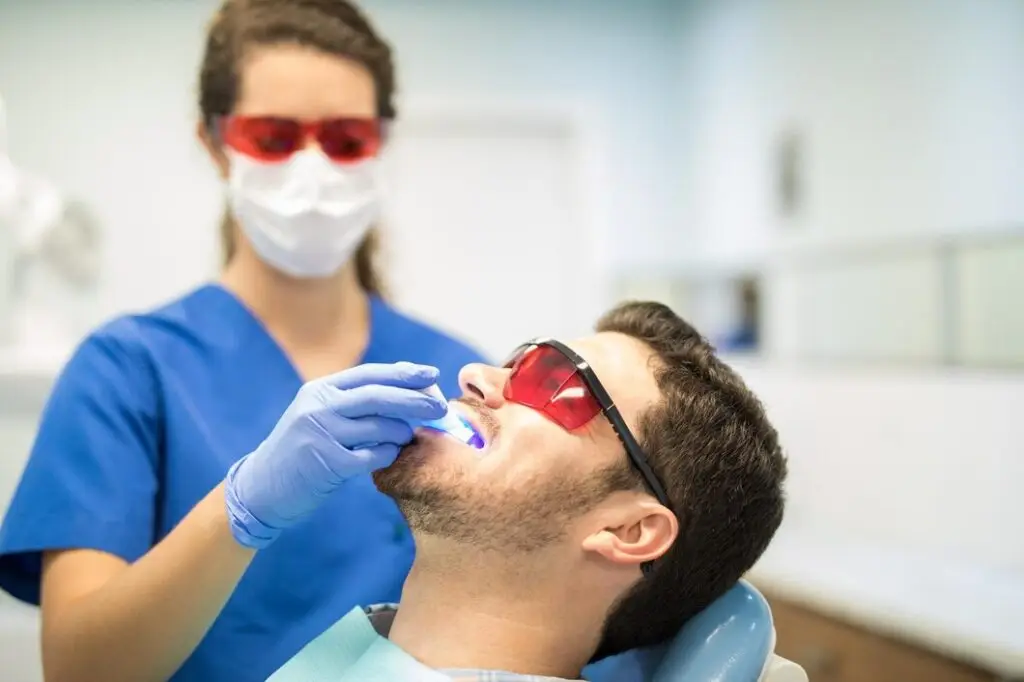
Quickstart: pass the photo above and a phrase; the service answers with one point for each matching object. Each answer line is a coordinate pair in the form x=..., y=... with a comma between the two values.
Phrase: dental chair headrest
x=732, y=640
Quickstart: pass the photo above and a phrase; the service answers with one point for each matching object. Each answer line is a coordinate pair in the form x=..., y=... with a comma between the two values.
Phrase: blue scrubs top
x=146, y=419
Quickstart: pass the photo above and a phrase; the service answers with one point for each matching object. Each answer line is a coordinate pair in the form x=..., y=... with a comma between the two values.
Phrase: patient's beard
x=451, y=503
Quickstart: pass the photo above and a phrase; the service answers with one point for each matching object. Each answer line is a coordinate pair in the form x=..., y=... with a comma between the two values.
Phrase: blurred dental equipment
x=49, y=258
x=453, y=424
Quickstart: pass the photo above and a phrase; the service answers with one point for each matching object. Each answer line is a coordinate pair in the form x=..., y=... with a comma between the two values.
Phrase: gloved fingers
x=400, y=374
x=361, y=432
x=378, y=456
x=386, y=401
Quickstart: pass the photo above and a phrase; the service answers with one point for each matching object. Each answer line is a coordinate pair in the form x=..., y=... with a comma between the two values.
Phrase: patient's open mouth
x=473, y=436
x=465, y=432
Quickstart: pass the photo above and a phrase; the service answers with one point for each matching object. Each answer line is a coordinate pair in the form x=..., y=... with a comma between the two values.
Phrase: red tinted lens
x=545, y=380
x=347, y=140
x=263, y=138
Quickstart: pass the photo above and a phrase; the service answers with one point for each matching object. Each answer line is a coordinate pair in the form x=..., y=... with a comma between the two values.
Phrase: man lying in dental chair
x=629, y=479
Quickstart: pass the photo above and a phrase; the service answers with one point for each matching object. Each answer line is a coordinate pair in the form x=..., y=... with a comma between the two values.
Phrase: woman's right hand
x=350, y=423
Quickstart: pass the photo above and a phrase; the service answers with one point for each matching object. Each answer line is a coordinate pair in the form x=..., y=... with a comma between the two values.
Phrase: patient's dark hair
x=710, y=442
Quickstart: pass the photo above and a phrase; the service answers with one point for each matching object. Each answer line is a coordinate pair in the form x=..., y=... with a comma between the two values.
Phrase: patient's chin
x=448, y=501
x=399, y=476
x=417, y=467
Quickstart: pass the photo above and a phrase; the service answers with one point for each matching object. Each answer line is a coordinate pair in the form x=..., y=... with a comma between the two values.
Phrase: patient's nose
x=484, y=382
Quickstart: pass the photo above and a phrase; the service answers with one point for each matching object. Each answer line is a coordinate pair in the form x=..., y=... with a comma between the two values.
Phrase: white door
x=485, y=230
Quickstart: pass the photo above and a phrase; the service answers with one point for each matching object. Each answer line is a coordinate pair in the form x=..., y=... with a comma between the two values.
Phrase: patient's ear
x=634, y=531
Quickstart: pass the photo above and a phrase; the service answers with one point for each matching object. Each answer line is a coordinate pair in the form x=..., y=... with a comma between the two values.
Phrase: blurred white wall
x=910, y=112
x=928, y=462
x=102, y=101
x=911, y=117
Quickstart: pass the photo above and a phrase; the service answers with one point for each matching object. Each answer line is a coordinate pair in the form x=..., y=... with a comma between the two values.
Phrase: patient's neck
x=483, y=613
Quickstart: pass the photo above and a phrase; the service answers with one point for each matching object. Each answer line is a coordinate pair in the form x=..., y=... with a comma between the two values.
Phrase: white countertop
x=963, y=611
x=20, y=658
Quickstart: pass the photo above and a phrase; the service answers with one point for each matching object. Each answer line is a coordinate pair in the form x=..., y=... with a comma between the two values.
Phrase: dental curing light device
x=453, y=424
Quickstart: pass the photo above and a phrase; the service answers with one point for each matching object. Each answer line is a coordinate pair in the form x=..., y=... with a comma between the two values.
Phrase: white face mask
x=306, y=216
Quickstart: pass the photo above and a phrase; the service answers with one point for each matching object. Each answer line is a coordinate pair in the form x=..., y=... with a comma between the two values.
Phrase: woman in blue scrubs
x=170, y=521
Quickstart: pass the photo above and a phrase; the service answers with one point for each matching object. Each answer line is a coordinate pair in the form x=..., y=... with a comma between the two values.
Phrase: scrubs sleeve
x=91, y=478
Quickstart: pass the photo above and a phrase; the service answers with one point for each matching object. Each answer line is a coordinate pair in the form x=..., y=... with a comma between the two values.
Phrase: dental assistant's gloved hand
x=350, y=423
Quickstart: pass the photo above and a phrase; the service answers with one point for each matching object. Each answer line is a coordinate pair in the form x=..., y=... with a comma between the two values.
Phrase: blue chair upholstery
x=732, y=640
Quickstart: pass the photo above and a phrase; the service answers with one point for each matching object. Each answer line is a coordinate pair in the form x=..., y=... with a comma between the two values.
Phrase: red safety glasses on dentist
x=551, y=378
x=272, y=139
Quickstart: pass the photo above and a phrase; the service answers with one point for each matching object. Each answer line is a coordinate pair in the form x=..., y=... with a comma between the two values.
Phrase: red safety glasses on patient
x=272, y=139
x=551, y=378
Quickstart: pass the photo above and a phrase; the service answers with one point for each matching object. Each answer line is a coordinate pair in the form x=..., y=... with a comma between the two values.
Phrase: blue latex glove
x=350, y=423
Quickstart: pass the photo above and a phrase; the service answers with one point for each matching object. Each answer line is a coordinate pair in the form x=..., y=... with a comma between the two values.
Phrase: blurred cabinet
x=920, y=301
x=884, y=307
x=925, y=300
x=723, y=305
x=988, y=310
x=833, y=651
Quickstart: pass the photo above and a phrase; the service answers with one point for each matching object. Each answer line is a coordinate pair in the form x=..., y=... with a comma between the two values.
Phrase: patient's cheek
x=530, y=453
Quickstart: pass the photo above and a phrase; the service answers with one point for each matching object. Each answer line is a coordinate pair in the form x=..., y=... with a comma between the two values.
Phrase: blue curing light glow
x=466, y=433
x=475, y=439
x=458, y=428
